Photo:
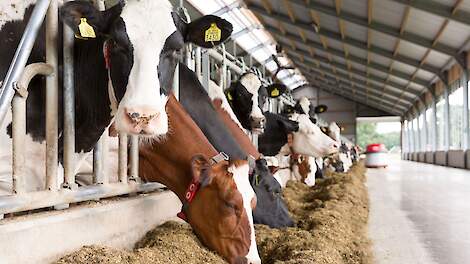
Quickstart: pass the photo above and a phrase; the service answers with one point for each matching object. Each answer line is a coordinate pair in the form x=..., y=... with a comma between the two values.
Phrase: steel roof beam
x=350, y=41
x=345, y=68
x=378, y=27
x=331, y=89
x=438, y=9
x=356, y=82
x=391, y=100
x=352, y=58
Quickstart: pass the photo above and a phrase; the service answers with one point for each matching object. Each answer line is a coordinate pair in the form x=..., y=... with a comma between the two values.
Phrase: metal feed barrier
x=14, y=92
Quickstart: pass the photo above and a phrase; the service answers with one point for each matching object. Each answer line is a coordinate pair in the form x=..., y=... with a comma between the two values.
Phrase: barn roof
x=382, y=53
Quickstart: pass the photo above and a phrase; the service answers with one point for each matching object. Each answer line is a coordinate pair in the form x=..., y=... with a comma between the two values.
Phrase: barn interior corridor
x=419, y=213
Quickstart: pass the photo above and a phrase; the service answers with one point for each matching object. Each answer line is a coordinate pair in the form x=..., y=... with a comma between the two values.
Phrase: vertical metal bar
x=465, y=135
x=134, y=158
x=176, y=82
x=19, y=134
x=418, y=130
x=122, y=157
x=21, y=56
x=52, y=84
x=97, y=163
x=223, y=78
x=198, y=63
x=206, y=67
x=69, y=109
x=446, y=119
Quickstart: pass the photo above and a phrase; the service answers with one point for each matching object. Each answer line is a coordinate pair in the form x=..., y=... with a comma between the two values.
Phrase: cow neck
x=169, y=161
x=235, y=130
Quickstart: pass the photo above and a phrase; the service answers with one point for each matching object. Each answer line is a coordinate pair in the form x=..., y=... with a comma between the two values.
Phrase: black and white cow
x=123, y=71
x=246, y=96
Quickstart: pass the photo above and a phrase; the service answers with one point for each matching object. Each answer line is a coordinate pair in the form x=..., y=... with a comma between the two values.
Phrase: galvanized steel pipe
x=21, y=56
x=52, y=92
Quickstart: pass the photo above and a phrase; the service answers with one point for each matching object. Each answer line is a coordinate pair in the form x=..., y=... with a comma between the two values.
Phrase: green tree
x=367, y=134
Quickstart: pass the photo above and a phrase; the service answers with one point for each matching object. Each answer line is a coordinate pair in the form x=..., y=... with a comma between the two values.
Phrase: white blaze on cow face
x=305, y=104
x=310, y=140
x=148, y=25
x=240, y=176
x=252, y=84
x=335, y=132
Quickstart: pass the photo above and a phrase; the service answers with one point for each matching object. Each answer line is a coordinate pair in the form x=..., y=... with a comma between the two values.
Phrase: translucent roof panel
x=258, y=42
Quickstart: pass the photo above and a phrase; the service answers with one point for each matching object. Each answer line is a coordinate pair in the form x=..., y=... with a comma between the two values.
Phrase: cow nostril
x=134, y=115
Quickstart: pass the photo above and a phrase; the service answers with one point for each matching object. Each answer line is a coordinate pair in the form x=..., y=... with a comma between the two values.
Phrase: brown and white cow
x=210, y=190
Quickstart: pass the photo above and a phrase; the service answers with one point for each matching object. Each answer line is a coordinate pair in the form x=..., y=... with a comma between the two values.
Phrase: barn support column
x=425, y=130
x=446, y=118
x=465, y=134
x=413, y=135
x=434, y=124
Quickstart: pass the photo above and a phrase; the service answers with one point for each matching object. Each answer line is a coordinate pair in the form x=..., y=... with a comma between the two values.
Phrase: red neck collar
x=195, y=185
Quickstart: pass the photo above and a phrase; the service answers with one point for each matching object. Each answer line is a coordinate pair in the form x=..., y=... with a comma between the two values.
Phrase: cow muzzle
x=257, y=124
x=143, y=121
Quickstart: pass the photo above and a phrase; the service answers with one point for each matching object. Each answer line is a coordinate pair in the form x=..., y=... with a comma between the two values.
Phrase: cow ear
x=207, y=31
x=88, y=22
x=276, y=89
x=289, y=126
x=199, y=168
x=321, y=109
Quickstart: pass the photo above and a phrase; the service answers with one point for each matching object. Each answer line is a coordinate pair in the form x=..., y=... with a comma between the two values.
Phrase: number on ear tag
x=213, y=33
x=275, y=92
x=86, y=31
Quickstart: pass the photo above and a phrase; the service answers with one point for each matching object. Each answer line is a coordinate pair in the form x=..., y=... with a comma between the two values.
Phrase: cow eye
x=229, y=205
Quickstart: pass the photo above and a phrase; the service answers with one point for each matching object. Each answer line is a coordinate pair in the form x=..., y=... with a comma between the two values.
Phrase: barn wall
x=340, y=110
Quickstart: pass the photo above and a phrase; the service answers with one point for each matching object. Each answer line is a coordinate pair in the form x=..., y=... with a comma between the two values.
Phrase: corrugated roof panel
x=424, y=24
x=312, y=36
x=359, y=67
x=403, y=68
x=340, y=60
x=378, y=73
x=336, y=45
x=455, y=35
x=359, y=8
x=425, y=75
x=410, y=50
x=383, y=41
x=357, y=52
x=398, y=80
x=301, y=13
x=388, y=12
x=416, y=87
x=437, y=59
x=355, y=31
x=380, y=60
x=328, y=22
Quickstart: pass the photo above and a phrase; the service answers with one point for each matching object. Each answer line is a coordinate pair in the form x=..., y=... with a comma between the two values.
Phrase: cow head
x=141, y=42
x=271, y=209
x=244, y=98
x=221, y=212
x=310, y=140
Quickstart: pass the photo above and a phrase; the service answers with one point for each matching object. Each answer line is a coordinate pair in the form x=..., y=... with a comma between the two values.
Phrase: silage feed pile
x=331, y=222
x=331, y=227
x=170, y=243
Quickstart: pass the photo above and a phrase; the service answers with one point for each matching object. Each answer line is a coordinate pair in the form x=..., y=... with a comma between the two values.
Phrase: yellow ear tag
x=213, y=33
x=86, y=31
x=275, y=92
x=229, y=96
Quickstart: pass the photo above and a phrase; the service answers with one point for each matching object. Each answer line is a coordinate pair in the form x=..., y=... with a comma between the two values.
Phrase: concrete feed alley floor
x=419, y=213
